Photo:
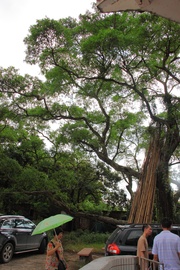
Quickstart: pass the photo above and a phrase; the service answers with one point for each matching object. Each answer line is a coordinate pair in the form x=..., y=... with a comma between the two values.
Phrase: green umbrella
x=51, y=223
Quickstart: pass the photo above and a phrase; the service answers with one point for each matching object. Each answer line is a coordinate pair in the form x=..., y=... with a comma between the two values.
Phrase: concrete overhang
x=169, y=9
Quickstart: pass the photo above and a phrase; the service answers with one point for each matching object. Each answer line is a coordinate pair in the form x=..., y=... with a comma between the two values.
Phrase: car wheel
x=7, y=253
x=43, y=246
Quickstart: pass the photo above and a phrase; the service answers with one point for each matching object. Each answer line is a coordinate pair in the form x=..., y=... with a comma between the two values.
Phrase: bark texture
x=143, y=202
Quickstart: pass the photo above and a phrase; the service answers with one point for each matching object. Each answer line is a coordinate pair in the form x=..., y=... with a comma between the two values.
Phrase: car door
x=33, y=241
x=20, y=234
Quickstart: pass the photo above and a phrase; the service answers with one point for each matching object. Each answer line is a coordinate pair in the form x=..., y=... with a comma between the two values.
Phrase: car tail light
x=113, y=249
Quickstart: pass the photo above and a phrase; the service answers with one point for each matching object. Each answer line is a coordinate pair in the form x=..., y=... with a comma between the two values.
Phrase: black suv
x=15, y=237
x=123, y=241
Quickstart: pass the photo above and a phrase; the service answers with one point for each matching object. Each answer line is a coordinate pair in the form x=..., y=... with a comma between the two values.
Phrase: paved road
x=25, y=261
x=35, y=261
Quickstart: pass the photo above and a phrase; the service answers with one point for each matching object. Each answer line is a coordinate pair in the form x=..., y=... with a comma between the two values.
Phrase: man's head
x=166, y=223
x=147, y=230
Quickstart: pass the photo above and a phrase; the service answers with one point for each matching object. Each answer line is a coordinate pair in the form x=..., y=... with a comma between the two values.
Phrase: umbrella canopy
x=51, y=223
x=169, y=9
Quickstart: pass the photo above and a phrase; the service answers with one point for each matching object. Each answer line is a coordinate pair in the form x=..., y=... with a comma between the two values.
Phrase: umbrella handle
x=56, y=235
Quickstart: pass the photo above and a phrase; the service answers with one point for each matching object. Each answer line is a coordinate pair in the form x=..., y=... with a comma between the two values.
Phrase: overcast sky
x=16, y=16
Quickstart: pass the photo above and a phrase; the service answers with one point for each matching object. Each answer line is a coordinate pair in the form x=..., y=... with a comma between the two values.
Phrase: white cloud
x=16, y=16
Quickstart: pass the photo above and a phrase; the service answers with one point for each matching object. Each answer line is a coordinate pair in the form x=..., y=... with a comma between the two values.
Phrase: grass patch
x=98, y=248
x=79, y=239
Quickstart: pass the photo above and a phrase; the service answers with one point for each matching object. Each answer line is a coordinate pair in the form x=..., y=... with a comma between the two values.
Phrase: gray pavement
x=26, y=261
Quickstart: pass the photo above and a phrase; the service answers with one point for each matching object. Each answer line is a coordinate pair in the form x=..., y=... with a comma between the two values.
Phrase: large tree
x=112, y=81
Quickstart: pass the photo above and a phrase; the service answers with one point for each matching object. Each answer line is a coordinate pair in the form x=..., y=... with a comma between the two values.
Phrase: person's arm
x=179, y=247
x=155, y=257
x=142, y=254
x=155, y=250
x=51, y=251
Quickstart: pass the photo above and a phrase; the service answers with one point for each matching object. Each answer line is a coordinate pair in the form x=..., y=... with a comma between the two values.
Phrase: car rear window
x=133, y=237
x=1, y=222
x=7, y=224
x=114, y=235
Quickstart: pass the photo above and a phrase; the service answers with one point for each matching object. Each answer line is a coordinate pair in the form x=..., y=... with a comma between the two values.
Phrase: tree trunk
x=154, y=181
x=164, y=198
x=143, y=202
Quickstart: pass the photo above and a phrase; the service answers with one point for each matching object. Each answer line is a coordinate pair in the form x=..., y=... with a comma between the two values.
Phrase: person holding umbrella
x=54, y=257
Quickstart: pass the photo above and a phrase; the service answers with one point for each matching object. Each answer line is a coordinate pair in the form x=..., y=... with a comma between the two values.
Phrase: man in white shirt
x=166, y=247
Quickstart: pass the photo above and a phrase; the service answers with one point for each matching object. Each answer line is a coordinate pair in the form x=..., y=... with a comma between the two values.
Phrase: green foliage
x=76, y=240
x=109, y=81
x=77, y=179
x=91, y=207
x=32, y=179
x=9, y=171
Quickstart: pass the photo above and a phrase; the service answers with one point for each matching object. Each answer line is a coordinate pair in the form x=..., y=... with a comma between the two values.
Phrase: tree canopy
x=111, y=87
